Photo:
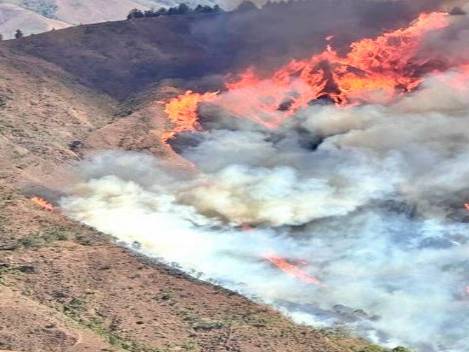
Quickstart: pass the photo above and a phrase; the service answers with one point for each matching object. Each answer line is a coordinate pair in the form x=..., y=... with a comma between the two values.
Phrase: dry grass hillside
x=13, y=17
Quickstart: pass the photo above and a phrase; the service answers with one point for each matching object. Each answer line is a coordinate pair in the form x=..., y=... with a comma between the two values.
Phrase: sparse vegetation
x=14, y=270
x=46, y=237
x=373, y=348
x=76, y=310
x=19, y=34
x=3, y=99
x=205, y=325
x=376, y=348
x=191, y=346
x=400, y=349
x=166, y=296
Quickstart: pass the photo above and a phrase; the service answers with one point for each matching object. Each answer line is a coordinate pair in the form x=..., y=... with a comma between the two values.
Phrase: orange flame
x=292, y=270
x=182, y=112
x=43, y=203
x=374, y=70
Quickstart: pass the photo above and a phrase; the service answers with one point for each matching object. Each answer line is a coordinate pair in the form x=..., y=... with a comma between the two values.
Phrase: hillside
x=65, y=287
x=72, y=92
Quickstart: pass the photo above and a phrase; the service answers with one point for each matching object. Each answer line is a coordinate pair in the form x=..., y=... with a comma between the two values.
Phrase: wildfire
x=374, y=70
x=43, y=203
x=292, y=270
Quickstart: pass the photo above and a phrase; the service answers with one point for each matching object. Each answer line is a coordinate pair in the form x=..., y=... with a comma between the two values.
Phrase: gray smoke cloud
x=367, y=199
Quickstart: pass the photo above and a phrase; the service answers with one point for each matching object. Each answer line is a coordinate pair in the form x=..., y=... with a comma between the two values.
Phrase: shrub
x=19, y=34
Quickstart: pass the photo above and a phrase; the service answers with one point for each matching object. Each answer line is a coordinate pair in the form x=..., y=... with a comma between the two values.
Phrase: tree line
x=181, y=9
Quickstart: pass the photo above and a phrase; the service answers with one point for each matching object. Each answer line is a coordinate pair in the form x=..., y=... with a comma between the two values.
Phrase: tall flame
x=374, y=70
x=182, y=112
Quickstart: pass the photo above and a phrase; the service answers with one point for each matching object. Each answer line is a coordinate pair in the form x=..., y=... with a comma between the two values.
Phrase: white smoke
x=369, y=199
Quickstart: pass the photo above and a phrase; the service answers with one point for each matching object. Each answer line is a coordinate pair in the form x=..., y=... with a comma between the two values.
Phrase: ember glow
x=42, y=203
x=333, y=190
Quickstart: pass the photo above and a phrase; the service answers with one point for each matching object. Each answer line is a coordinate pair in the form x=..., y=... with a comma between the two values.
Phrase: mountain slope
x=65, y=287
